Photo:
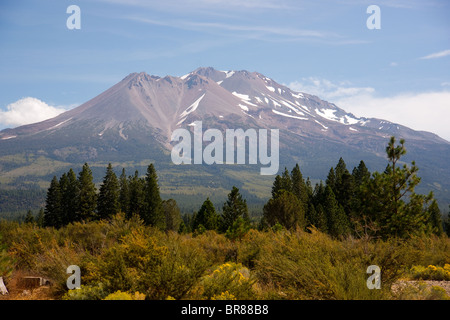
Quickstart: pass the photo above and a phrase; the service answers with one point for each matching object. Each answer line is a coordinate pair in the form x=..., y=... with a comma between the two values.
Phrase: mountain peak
x=164, y=104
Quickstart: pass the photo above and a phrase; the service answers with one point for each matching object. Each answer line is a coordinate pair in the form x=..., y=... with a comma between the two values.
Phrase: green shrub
x=300, y=265
x=420, y=291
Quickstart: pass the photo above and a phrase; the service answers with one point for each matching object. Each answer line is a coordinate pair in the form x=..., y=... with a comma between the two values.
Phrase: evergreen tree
x=447, y=224
x=299, y=187
x=233, y=208
x=285, y=210
x=318, y=194
x=385, y=197
x=361, y=177
x=108, y=198
x=340, y=170
x=309, y=189
x=238, y=229
x=206, y=217
x=136, y=196
x=172, y=214
x=29, y=218
x=331, y=179
x=124, y=194
x=316, y=217
x=153, y=213
x=336, y=217
x=281, y=183
x=321, y=221
x=342, y=185
x=70, y=196
x=40, y=218
x=361, y=174
x=435, y=219
x=87, y=202
x=52, y=212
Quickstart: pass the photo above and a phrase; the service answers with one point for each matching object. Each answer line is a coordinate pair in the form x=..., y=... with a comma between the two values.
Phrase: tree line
x=73, y=198
x=359, y=203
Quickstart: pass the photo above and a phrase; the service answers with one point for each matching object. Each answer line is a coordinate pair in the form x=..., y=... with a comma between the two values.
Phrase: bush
x=298, y=265
x=228, y=281
x=139, y=263
x=431, y=273
x=420, y=291
x=119, y=295
x=86, y=293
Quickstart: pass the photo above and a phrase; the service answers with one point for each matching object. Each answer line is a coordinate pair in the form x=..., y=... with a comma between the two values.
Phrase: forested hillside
x=310, y=242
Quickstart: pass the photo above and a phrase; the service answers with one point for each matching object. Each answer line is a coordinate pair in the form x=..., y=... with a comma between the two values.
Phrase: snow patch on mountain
x=192, y=107
x=288, y=115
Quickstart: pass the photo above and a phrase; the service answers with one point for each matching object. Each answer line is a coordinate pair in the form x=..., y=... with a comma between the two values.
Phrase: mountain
x=131, y=123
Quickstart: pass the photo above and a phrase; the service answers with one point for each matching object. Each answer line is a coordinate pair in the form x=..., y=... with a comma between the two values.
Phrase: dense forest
x=376, y=205
x=310, y=242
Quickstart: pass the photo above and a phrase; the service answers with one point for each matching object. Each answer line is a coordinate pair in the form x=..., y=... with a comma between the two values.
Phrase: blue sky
x=400, y=72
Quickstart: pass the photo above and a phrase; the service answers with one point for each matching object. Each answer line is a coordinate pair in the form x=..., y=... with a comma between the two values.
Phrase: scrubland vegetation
x=125, y=259
x=310, y=243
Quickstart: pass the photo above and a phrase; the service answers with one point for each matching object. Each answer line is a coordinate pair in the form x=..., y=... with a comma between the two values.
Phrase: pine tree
x=299, y=187
x=108, y=198
x=153, y=213
x=233, y=208
x=316, y=217
x=281, y=183
x=435, y=219
x=124, y=194
x=386, y=193
x=340, y=169
x=29, y=218
x=343, y=185
x=136, y=195
x=285, y=210
x=53, y=212
x=318, y=196
x=331, y=179
x=40, y=218
x=87, y=194
x=361, y=177
x=321, y=221
x=206, y=217
x=70, y=192
x=172, y=214
x=447, y=224
x=336, y=217
x=361, y=174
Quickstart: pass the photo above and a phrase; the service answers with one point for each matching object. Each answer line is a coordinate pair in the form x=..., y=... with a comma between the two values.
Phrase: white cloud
x=436, y=55
x=428, y=111
x=28, y=110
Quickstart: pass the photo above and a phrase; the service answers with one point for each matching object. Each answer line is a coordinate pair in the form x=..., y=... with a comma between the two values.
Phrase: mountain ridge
x=132, y=121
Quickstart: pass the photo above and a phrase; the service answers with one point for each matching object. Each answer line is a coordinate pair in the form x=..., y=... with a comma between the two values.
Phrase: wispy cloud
x=196, y=4
x=436, y=55
x=428, y=111
x=240, y=31
x=29, y=110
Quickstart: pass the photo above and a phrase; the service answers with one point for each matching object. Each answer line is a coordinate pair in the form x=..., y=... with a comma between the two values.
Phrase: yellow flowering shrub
x=431, y=272
x=224, y=296
x=119, y=295
x=229, y=280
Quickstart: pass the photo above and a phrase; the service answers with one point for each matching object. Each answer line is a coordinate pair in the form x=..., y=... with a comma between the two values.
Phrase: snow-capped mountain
x=171, y=102
x=133, y=122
